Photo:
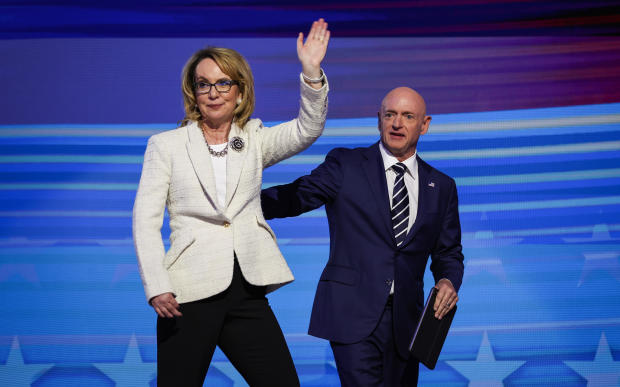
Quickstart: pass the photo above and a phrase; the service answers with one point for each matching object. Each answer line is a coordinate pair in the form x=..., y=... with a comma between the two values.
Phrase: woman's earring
x=239, y=100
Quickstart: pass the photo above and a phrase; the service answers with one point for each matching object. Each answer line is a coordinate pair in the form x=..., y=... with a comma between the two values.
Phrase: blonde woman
x=209, y=288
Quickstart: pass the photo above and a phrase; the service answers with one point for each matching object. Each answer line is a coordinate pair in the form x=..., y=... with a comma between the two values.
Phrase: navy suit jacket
x=363, y=258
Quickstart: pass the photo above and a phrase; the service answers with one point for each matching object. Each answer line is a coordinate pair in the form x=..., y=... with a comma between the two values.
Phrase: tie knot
x=399, y=168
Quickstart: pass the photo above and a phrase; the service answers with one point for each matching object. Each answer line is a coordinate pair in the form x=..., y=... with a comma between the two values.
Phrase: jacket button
x=226, y=224
x=388, y=282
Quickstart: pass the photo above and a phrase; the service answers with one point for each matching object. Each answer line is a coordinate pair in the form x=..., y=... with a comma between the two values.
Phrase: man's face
x=402, y=121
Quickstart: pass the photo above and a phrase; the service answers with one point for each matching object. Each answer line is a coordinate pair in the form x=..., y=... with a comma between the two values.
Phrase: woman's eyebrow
x=200, y=78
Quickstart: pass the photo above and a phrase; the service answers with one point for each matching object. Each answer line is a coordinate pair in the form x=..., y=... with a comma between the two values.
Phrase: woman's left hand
x=312, y=52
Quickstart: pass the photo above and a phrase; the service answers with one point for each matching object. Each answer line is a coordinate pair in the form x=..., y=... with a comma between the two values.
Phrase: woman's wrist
x=314, y=80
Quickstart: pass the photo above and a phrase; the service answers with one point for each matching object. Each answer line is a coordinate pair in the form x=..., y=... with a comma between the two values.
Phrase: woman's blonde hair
x=232, y=64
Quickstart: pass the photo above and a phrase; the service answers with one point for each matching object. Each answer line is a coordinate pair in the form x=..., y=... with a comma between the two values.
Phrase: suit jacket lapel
x=201, y=161
x=426, y=189
x=375, y=172
x=235, y=161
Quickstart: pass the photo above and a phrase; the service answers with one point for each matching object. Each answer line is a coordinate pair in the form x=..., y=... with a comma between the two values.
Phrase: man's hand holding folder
x=432, y=328
x=446, y=298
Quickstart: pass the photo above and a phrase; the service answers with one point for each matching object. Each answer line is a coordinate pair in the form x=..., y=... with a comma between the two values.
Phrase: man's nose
x=397, y=122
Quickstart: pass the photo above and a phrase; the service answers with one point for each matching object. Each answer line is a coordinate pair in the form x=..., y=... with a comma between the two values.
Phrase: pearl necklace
x=221, y=153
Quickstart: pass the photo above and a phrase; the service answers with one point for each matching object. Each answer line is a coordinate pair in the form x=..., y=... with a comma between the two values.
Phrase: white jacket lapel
x=236, y=159
x=201, y=161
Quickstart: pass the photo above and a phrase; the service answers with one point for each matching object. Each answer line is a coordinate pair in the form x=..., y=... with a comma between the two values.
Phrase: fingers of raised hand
x=318, y=37
x=318, y=31
x=313, y=50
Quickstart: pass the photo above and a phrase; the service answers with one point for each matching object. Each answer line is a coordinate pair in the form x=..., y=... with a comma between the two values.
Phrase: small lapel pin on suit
x=431, y=184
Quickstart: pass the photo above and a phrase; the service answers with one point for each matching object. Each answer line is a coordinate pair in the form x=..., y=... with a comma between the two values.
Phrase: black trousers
x=238, y=320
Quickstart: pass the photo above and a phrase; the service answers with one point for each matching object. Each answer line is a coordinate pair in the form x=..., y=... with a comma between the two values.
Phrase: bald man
x=388, y=212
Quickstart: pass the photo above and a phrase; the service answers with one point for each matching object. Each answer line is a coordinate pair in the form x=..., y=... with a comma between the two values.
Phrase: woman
x=209, y=288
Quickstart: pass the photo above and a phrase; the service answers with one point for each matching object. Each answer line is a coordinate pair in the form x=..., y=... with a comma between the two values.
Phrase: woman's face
x=215, y=107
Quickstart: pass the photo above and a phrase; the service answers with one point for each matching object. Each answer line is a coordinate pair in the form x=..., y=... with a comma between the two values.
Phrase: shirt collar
x=388, y=159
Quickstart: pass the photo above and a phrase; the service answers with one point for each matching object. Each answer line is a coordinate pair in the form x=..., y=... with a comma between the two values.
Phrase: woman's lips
x=215, y=106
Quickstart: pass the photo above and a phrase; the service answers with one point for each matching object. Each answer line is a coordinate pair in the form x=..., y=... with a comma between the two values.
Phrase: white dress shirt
x=219, y=169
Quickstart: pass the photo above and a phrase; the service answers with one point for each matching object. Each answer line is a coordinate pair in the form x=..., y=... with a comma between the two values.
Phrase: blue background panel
x=529, y=127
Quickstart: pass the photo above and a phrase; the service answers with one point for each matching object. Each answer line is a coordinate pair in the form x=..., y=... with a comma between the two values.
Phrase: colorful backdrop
x=525, y=98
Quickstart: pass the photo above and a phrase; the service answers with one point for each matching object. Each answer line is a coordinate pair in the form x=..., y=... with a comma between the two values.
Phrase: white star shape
x=485, y=370
x=132, y=371
x=16, y=373
x=603, y=370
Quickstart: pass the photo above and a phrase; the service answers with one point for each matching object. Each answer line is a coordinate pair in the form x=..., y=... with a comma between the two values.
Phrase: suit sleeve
x=148, y=214
x=306, y=193
x=447, y=256
x=289, y=138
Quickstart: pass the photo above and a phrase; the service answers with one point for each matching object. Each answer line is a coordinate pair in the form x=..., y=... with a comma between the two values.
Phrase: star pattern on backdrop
x=492, y=265
x=600, y=233
x=485, y=370
x=604, y=261
x=487, y=239
x=132, y=371
x=16, y=373
x=603, y=370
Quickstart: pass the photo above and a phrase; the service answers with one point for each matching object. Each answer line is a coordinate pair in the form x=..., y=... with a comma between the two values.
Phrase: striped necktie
x=400, y=204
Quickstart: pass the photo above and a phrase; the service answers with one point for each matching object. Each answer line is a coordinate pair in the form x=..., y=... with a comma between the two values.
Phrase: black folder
x=430, y=333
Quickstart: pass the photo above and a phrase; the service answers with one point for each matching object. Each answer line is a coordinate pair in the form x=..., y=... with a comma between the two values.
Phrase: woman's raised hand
x=312, y=52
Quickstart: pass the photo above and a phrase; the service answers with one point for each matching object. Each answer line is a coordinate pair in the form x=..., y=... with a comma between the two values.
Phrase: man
x=388, y=211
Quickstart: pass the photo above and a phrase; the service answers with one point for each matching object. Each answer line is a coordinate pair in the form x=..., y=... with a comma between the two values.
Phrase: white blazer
x=177, y=174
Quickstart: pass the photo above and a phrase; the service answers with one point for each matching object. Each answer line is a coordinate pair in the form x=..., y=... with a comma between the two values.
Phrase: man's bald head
x=407, y=93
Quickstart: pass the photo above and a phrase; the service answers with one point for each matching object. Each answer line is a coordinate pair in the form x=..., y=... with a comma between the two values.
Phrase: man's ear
x=426, y=124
